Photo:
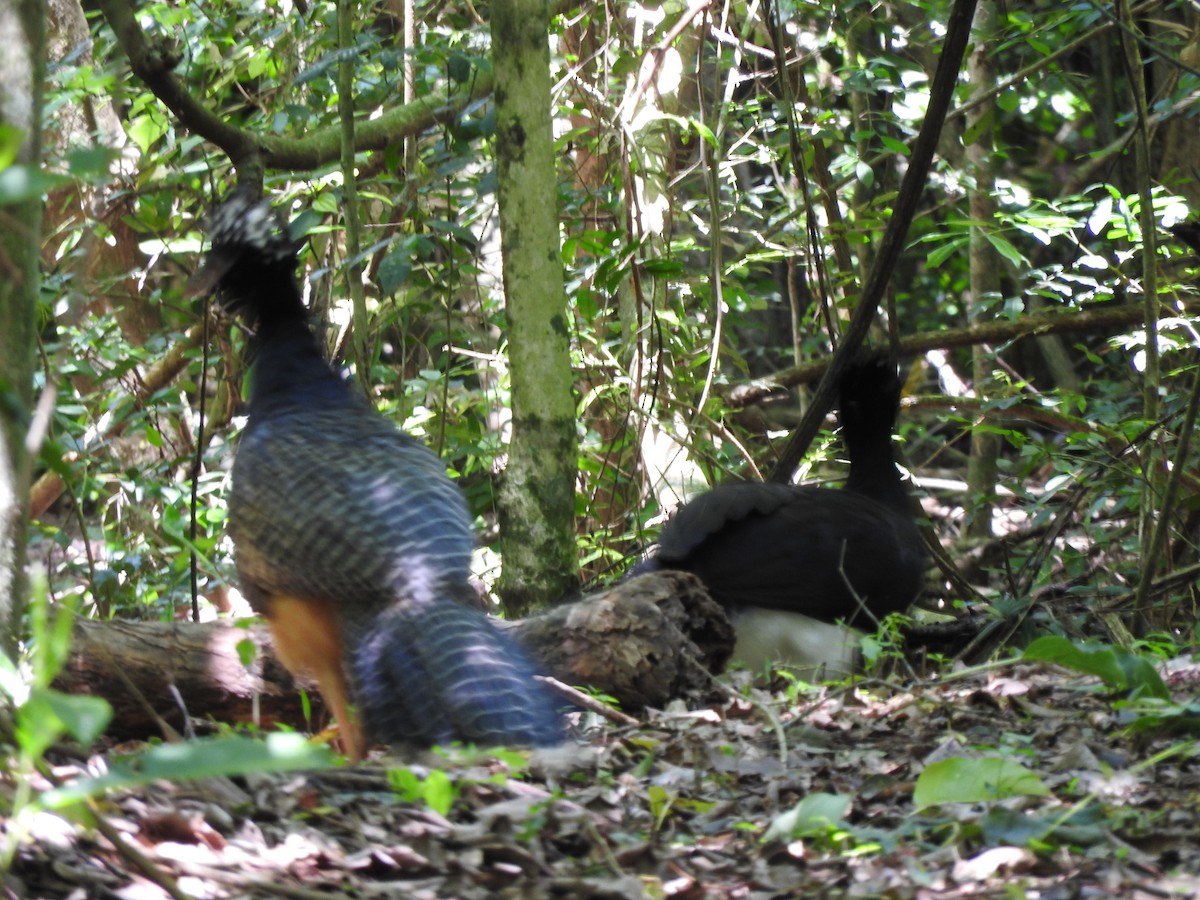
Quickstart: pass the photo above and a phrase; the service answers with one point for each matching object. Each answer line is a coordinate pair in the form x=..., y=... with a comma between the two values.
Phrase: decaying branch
x=643, y=642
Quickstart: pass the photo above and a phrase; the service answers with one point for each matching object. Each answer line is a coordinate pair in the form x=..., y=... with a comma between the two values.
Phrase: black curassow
x=349, y=536
x=788, y=562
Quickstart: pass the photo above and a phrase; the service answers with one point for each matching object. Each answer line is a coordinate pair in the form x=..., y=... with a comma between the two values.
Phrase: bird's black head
x=252, y=261
x=869, y=393
x=869, y=401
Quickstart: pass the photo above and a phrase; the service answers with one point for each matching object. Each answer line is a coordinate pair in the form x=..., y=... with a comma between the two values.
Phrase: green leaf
x=145, y=130
x=963, y=780
x=436, y=789
x=37, y=725
x=1005, y=249
x=660, y=803
x=976, y=130
x=940, y=254
x=439, y=791
x=12, y=685
x=405, y=783
x=51, y=638
x=456, y=229
x=1120, y=669
x=325, y=203
x=815, y=814
x=1101, y=216
x=247, y=652
x=394, y=270
x=83, y=717
x=90, y=161
x=662, y=268
x=458, y=67
x=704, y=131
x=281, y=752
x=258, y=64
x=303, y=224
x=1088, y=826
x=11, y=139
x=21, y=183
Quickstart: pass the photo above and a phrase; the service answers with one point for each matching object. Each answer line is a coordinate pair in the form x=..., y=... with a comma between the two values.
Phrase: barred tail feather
x=439, y=672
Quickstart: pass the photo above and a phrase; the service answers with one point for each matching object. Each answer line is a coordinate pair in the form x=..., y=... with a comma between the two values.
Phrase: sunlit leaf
x=975, y=780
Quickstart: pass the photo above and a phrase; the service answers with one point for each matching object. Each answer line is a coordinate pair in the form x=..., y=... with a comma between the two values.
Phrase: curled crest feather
x=249, y=241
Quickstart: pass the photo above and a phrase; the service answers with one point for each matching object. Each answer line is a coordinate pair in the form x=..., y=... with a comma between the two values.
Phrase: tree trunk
x=985, y=263
x=537, y=496
x=643, y=642
x=22, y=76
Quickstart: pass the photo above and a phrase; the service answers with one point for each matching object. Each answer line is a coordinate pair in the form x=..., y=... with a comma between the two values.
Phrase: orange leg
x=308, y=641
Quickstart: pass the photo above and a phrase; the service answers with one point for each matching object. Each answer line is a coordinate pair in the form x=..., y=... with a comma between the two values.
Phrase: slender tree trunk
x=537, y=496
x=985, y=262
x=22, y=69
x=1152, y=453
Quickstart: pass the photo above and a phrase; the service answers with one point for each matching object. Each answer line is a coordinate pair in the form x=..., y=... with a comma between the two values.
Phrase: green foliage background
x=743, y=280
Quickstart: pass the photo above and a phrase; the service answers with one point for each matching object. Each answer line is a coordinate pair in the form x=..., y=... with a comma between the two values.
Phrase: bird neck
x=873, y=471
x=290, y=369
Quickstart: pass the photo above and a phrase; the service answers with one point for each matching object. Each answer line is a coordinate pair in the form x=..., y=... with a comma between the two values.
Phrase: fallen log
x=643, y=642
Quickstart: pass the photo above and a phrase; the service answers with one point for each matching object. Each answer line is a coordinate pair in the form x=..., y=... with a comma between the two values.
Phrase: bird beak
x=206, y=279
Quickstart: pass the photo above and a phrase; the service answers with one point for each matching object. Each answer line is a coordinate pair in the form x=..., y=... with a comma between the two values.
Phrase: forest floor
x=792, y=794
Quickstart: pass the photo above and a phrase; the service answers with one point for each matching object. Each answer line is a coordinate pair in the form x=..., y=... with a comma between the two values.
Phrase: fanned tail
x=436, y=672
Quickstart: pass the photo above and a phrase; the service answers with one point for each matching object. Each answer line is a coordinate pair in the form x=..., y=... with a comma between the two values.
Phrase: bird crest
x=242, y=229
x=246, y=222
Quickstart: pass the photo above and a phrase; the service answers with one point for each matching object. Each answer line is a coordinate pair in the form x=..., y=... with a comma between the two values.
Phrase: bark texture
x=22, y=75
x=537, y=496
x=644, y=642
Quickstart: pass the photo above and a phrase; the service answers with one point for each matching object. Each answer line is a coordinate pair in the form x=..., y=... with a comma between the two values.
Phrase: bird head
x=252, y=259
x=869, y=393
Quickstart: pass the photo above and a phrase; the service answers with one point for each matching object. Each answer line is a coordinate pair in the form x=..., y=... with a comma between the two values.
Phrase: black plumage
x=349, y=536
x=852, y=555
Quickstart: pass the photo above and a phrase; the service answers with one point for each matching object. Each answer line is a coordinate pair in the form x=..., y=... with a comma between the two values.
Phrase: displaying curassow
x=349, y=536
x=788, y=563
